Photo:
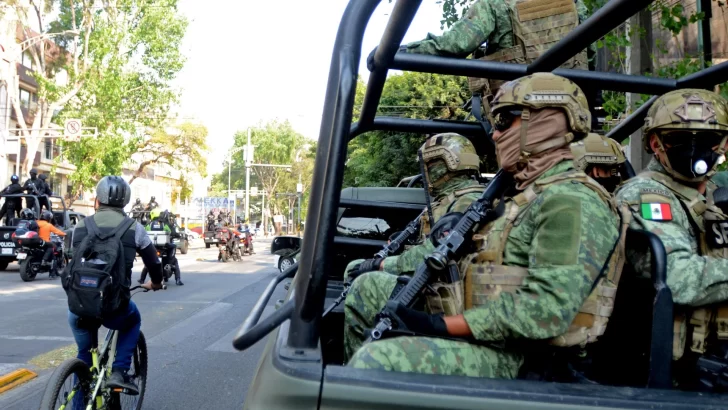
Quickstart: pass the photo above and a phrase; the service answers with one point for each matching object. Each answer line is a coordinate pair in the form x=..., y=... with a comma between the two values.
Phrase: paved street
x=189, y=331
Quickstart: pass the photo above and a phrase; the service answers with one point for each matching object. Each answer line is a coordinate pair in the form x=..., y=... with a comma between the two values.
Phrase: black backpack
x=96, y=281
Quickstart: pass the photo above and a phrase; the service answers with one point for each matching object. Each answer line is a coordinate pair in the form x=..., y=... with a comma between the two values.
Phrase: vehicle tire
x=138, y=374
x=207, y=245
x=185, y=246
x=62, y=382
x=26, y=272
x=225, y=256
x=285, y=262
x=4, y=265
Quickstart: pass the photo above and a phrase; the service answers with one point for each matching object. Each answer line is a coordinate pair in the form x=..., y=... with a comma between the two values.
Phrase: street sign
x=254, y=191
x=299, y=188
x=72, y=130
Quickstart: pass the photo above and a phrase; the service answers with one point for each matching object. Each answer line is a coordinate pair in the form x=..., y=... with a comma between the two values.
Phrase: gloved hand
x=418, y=322
x=364, y=267
x=370, y=59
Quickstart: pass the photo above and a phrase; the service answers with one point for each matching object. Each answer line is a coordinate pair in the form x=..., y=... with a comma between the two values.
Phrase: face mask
x=692, y=160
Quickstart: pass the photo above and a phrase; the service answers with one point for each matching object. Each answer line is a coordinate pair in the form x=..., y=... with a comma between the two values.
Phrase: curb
x=15, y=379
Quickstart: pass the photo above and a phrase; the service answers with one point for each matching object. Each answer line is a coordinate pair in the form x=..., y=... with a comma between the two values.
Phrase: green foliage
x=119, y=69
x=380, y=158
x=276, y=143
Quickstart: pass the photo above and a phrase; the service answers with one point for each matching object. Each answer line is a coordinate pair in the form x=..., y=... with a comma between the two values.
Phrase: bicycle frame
x=100, y=377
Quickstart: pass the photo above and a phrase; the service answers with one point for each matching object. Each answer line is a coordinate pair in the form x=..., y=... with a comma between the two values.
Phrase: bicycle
x=91, y=381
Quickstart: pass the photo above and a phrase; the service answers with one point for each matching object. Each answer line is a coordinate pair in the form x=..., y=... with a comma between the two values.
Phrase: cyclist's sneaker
x=120, y=380
x=179, y=283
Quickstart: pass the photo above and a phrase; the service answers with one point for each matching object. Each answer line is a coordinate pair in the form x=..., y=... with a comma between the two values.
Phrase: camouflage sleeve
x=693, y=279
x=574, y=232
x=407, y=261
x=466, y=35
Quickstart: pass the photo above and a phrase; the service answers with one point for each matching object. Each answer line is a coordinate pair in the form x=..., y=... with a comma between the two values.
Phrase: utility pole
x=299, y=191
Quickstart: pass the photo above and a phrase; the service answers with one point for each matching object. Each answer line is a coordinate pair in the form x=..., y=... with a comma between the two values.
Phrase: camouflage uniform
x=560, y=238
x=697, y=274
x=453, y=195
x=492, y=22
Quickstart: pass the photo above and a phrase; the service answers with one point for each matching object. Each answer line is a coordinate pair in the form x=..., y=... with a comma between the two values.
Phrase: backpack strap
x=93, y=229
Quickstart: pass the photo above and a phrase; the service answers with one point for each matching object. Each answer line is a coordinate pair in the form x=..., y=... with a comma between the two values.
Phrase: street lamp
x=299, y=191
x=232, y=152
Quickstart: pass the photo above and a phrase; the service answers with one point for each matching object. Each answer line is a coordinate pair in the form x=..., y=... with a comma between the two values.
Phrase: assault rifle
x=454, y=245
x=396, y=243
x=392, y=247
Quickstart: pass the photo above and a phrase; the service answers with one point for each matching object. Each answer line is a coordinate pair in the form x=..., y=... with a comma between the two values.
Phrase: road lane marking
x=186, y=328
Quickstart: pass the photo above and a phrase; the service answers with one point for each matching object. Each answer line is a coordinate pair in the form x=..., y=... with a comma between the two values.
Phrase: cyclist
x=45, y=228
x=112, y=195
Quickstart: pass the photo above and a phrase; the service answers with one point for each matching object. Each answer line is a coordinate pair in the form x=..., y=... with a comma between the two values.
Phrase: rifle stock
x=478, y=213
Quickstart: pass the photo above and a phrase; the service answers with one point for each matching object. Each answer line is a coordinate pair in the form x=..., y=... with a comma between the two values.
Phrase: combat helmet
x=544, y=90
x=596, y=150
x=702, y=114
x=445, y=156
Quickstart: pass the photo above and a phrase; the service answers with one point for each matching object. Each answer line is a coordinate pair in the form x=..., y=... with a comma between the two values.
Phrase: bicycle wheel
x=71, y=381
x=138, y=374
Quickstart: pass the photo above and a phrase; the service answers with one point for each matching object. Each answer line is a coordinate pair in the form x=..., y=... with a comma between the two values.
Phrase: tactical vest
x=537, y=25
x=447, y=297
x=708, y=319
x=486, y=276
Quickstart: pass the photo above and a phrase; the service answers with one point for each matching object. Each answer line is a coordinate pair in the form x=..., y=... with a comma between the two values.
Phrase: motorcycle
x=246, y=242
x=225, y=246
x=166, y=254
x=31, y=250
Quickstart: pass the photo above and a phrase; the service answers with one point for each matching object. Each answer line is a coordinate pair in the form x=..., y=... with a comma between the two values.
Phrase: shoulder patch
x=656, y=211
x=648, y=198
x=656, y=191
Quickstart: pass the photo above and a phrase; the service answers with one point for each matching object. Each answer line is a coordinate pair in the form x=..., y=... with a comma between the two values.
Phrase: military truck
x=302, y=367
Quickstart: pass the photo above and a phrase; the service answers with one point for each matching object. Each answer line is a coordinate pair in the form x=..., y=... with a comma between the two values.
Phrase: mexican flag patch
x=657, y=212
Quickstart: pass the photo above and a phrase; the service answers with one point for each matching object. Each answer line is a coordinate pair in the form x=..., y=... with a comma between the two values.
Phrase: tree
x=276, y=143
x=183, y=147
x=110, y=64
x=380, y=158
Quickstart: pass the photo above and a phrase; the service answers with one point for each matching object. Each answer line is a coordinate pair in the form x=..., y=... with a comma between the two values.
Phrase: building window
x=24, y=98
x=27, y=60
x=49, y=149
x=55, y=184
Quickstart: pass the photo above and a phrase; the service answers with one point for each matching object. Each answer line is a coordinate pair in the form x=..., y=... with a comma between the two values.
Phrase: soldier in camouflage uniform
x=673, y=198
x=542, y=271
x=601, y=158
x=514, y=31
x=451, y=165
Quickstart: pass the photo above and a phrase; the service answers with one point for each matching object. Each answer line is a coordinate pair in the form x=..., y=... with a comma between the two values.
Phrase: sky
x=253, y=61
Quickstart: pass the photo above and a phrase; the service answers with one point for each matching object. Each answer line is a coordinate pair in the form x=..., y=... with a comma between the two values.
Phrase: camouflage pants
x=350, y=266
x=366, y=298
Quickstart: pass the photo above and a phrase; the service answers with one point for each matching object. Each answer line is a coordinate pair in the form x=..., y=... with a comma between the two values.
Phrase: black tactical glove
x=416, y=321
x=364, y=267
x=370, y=59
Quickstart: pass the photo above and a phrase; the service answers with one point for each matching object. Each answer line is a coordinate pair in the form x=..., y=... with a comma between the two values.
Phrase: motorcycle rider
x=112, y=195
x=45, y=227
x=12, y=206
x=160, y=222
x=45, y=192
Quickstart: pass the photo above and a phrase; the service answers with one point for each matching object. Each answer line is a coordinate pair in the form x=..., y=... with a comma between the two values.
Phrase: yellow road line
x=15, y=378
